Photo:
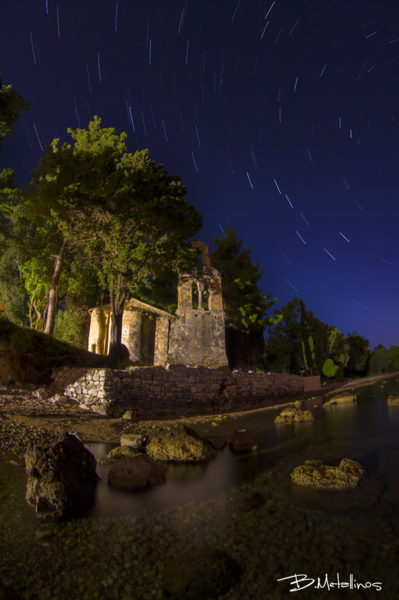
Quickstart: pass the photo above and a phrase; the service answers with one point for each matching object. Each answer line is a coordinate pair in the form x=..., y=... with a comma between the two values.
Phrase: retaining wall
x=158, y=392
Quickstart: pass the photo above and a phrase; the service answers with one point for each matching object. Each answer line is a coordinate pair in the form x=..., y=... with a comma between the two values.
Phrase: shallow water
x=242, y=505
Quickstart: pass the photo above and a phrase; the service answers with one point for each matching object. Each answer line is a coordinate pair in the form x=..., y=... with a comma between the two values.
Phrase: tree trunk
x=52, y=297
x=116, y=354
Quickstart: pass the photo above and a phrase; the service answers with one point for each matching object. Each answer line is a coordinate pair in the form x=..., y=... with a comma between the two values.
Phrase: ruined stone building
x=191, y=337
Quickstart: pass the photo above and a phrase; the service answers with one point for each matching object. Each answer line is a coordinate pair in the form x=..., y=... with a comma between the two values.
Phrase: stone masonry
x=158, y=392
x=192, y=337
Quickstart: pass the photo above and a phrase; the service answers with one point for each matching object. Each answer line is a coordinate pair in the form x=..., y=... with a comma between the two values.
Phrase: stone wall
x=158, y=392
x=311, y=383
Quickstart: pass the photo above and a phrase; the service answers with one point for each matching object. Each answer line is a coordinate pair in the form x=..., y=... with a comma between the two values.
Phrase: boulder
x=291, y=415
x=136, y=473
x=61, y=477
x=134, y=440
x=217, y=444
x=393, y=400
x=177, y=443
x=344, y=398
x=117, y=454
x=315, y=474
x=242, y=442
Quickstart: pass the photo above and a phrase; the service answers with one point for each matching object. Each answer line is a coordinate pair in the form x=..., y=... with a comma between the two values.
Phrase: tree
x=245, y=306
x=127, y=214
x=359, y=354
x=307, y=340
x=11, y=104
x=380, y=360
x=338, y=347
x=122, y=212
x=394, y=353
x=283, y=344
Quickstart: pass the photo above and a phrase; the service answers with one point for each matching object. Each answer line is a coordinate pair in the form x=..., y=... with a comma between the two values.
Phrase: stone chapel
x=191, y=337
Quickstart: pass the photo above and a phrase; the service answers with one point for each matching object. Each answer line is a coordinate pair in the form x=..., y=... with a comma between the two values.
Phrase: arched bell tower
x=197, y=337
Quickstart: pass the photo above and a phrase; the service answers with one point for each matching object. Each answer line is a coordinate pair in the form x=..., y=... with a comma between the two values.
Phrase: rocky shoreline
x=241, y=542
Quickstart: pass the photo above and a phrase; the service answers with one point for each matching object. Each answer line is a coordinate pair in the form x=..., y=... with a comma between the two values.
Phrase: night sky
x=280, y=117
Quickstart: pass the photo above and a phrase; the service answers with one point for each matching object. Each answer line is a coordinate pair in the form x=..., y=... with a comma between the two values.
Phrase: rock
x=100, y=409
x=136, y=473
x=205, y=574
x=344, y=398
x=242, y=442
x=291, y=415
x=57, y=399
x=128, y=415
x=178, y=443
x=61, y=477
x=393, y=400
x=134, y=440
x=42, y=393
x=315, y=474
x=122, y=452
x=217, y=444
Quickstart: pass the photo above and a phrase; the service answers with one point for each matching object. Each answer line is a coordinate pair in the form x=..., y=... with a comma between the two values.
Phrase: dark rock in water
x=317, y=475
x=242, y=442
x=136, y=473
x=177, y=443
x=217, y=444
x=200, y=575
x=61, y=477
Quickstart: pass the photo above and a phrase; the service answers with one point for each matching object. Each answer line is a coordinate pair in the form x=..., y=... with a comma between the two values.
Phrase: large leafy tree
x=283, y=345
x=298, y=340
x=12, y=291
x=359, y=354
x=121, y=212
x=244, y=304
x=126, y=214
x=381, y=360
x=11, y=104
x=339, y=347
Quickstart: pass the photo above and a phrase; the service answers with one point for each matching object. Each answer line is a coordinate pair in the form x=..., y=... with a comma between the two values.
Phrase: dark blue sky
x=280, y=117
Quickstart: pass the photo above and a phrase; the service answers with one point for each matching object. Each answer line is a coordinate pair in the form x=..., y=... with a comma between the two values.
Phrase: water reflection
x=354, y=430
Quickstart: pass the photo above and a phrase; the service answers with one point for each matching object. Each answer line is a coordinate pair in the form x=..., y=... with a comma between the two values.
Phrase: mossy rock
x=344, y=398
x=315, y=474
x=291, y=415
x=393, y=400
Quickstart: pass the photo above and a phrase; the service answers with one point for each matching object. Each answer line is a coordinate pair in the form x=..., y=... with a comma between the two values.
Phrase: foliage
x=359, y=354
x=394, y=353
x=245, y=306
x=307, y=341
x=331, y=370
x=11, y=104
x=381, y=360
x=67, y=325
x=283, y=345
x=339, y=347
